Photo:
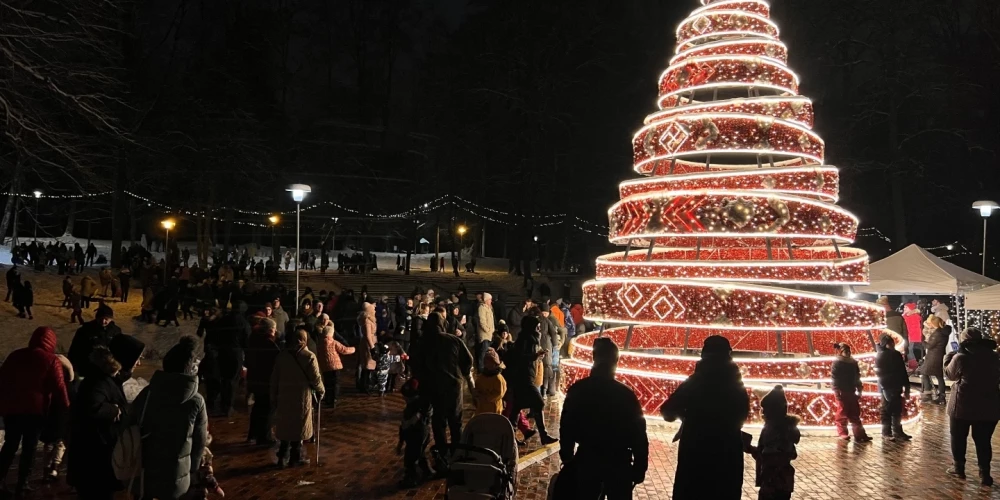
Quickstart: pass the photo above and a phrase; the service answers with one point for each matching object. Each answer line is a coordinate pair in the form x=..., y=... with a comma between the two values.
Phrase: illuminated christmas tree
x=733, y=230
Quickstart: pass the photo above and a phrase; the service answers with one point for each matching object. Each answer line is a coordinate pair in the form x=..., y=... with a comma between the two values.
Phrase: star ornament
x=830, y=313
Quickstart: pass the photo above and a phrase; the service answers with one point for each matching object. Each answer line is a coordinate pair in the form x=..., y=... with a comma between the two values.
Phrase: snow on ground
x=47, y=311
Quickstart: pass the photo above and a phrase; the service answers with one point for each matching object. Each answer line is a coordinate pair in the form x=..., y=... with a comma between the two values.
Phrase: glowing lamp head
x=950, y=247
x=299, y=191
x=536, y=239
x=168, y=224
x=985, y=207
x=37, y=193
x=462, y=229
x=274, y=220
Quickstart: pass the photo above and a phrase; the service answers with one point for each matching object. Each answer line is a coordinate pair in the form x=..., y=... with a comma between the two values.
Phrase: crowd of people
x=435, y=350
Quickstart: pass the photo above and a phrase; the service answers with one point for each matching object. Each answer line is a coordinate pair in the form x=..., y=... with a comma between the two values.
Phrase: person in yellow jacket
x=490, y=385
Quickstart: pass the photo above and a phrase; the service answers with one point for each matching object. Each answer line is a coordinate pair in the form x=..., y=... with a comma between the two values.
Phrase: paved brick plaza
x=358, y=441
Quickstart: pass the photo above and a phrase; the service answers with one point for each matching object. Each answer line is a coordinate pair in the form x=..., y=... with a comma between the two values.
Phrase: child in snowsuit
x=415, y=433
x=397, y=364
x=775, y=448
x=847, y=389
x=490, y=385
x=204, y=482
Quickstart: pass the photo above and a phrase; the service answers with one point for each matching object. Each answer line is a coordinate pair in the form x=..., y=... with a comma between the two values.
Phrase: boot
x=985, y=478
x=547, y=440
x=957, y=470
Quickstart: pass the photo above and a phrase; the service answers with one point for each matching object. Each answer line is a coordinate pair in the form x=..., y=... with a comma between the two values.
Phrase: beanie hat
x=105, y=311
x=885, y=341
x=180, y=358
x=972, y=333
x=774, y=403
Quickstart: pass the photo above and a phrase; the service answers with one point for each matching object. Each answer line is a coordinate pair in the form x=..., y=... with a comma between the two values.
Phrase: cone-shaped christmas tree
x=733, y=230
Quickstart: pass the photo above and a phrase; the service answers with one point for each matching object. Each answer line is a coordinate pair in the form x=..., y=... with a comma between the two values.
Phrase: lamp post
x=299, y=192
x=986, y=209
x=38, y=195
x=167, y=224
x=274, y=220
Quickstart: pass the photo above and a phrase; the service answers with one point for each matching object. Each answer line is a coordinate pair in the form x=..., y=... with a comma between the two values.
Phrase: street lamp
x=167, y=224
x=274, y=220
x=299, y=192
x=986, y=209
x=38, y=195
x=461, y=236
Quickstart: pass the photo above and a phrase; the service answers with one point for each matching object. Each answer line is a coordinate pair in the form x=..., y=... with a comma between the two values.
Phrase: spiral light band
x=737, y=217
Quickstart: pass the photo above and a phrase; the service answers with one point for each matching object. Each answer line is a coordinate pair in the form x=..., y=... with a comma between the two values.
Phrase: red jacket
x=577, y=312
x=32, y=378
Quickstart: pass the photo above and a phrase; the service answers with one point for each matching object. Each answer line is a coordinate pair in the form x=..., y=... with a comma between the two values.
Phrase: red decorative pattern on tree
x=738, y=222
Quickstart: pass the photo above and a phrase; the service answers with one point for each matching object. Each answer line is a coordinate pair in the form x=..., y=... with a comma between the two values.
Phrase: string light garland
x=737, y=212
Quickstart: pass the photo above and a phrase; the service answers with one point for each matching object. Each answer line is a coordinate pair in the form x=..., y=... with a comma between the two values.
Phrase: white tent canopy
x=916, y=271
x=987, y=299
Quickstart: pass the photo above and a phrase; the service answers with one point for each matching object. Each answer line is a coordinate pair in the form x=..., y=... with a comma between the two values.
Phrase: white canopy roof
x=914, y=270
x=987, y=299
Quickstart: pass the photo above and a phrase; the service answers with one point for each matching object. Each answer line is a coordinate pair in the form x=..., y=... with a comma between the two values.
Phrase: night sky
x=522, y=106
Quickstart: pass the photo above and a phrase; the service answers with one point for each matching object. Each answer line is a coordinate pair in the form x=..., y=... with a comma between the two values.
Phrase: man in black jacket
x=895, y=386
x=602, y=419
x=225, y=340
x=91, y=334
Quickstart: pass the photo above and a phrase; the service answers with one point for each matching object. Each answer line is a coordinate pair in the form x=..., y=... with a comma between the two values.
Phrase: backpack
x=126, y=458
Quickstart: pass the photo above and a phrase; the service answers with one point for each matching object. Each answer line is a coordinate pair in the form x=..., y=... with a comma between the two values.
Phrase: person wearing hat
x=847, y=389
x=895, y=386
x=775, y=448
x=490, y=385
x=172, y=417
x=712, y=405
x=975, y=401
x=91, y=334
x=97, y=412
x=603, y=431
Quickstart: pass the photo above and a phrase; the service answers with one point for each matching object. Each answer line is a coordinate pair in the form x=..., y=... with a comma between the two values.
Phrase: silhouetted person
x=604, y=418
x=713, y=405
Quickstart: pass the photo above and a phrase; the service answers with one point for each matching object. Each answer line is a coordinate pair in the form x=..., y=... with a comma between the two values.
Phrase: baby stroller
x=484, y=465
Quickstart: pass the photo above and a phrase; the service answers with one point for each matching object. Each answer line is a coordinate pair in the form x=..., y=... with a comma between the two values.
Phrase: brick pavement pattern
x=358, y=461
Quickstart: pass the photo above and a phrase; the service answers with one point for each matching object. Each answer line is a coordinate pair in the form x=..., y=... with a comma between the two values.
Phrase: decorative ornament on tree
x=735, y=221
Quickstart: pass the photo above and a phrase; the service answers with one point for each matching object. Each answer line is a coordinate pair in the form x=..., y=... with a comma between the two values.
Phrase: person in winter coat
x=485, y=327
x=24, y=298
x=366, y=358
x=521, y=374
x=172, y=417
x=226, y=338
x=713, y=405
x=88, y=287
x=125, y=282
x=895, y=385
x=515, y=315
x=975, y=401
x=490, y=385
x=577, y=313
x=893, y=320
x=940, y=309
x=55, y=432
x=914, y=330
x=97, y=411
x=552, y=341
x=280, y=318
x=847, y=389
x=330, y=363
x=262, y=350
x=13, y=281
x=441, y=362
x=90, y=335
x=934, y=360
x=34, y=390
x=296, y=375
x=607, y=458
x=775, y=448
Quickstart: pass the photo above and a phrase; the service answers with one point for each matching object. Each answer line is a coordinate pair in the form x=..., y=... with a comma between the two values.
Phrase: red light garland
x=740, y=199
